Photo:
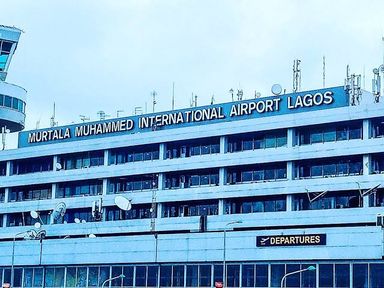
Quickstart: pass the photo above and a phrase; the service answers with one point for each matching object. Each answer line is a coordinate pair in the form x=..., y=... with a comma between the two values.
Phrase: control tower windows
x=32, y=165
x=5, y=50
x=81, y=160
x=79, y=188
x=191, y=148
x=196, y=178
x=257, y=140
x=329, y=133
x=132, y=183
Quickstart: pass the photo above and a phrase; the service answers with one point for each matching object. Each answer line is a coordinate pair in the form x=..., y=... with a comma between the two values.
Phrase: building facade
x=267, y=186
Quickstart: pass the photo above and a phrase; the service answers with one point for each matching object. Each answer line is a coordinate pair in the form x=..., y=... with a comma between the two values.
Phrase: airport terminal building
x=266, y=186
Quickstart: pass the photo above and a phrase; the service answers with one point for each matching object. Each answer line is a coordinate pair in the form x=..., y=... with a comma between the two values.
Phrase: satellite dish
x=276, y=89
x=83, y=221
x=123, y=203
x=375, y=71
x=77, y=220
x=59, y=211
x=91, y=235
x=258, y=95
x=58, y=166
x=34, y=214
x=37, y=225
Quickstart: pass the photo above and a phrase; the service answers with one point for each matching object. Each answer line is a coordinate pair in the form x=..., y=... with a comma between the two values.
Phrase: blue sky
x=91, y=55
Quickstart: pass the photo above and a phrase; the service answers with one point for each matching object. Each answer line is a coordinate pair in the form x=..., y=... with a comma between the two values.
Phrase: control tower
x=12, y=97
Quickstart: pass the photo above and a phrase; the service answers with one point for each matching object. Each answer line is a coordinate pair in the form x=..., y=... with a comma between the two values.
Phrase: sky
x=92, y=55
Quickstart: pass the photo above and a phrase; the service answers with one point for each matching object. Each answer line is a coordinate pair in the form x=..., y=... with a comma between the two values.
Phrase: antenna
x=194, y=100
x=52, y=120
x=231, y=92
x=4, y=132
x=352, y=84
x=173, y=95
x=153, y=93
x=118, y=113
x=138, y=110
x=102, y=115
x=84, y=118
x=296, y=75
x=276, y=89
x=323, y=71
x=240, y=94
x=38, y=124
x=212, y=99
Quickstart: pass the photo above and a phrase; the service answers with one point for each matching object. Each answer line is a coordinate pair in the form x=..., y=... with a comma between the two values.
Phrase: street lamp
x=111, y=279
x=309, y=268
x=224, y=250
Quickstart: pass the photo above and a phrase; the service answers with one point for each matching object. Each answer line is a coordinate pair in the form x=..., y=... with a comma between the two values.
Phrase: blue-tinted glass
x=246, y=176
x=18, y=276
x=192, y=276
x=233, y=275
x=248, y=275
x=270, y=142
x=316, y=137
x=308, y=278
x=329, y=135
x=28, y=277
x=7, y=101
x=178, y=276
x=360, y=275
x=205, y=275
x=71, y=277
x=218, y=274
x=376, y=272
x=93, y=274
x=81, y=280
x=261, y=275
x=342, y=275
x=152, y=276
x=165, y=276
x=329, y=169
x=277, y=273
x=141, y=276
x=59, y=277
x=294, y=279
x=316, y=170
x=128, y=273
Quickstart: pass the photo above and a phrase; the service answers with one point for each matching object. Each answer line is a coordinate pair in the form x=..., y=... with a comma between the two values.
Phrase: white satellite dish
x=123, y=203
x=37, y=225
x=276, y=89
x=77, y=220
x=58, y=166
x=92, y=235
x=34, y=214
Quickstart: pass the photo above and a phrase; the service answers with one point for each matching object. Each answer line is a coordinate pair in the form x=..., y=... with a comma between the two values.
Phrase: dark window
x=377, y=163
x=377, y=127
x=27, y=193
x=253, y=173
x=194, y=208
x=192, y=276
x=360, y=275
x=376, y=273
x=130, y=183
x=294, y=279
x=261, y=275
x=255, y=204
x=81, y=160
x=308, y=278
x=190, y=148
x=128, y=273
x=233, y=275
x=138, y=211
x=32, y=165
x=248, y=275
x=141, y=276
x=79, y=188
x=208, y=177
x=277, y=273
x=178, y=276
x=341, y=275
x=258, y=140
x=134, y=153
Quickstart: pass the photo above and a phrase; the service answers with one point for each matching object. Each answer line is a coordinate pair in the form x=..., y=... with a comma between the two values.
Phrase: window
x=360, y=275
x=248, y=275
x=377, y=127
x=32, y=165
x=255, y=204
x=81, y=160
x=138, y=211
x=258, y=140
x=25, y=219
x=79, y=188
x=254, y=173
x=342, y=275
x=376, y=273
x=130, y=183
x=377, y=163
x=185, y=209
x=197, y=147
x=27, y=193
x=208, y=177
x=133, y=154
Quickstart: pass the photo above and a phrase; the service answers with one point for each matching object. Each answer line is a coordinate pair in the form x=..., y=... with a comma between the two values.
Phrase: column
x=223, y=144
x=291, y=137
x=106, y=157
x=222, y=177
x=159, y=210
x=55, y=163
x=366, y=129
x=221, y=206
x=290, y=170
x=8, y=168
x=54, y=189
x=367, y=164
x=6, y=195
x=105, y=186
x=289, y=202
x=162, y=151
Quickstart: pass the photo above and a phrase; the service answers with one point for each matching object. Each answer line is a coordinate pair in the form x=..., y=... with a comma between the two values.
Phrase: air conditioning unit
x=380, y=220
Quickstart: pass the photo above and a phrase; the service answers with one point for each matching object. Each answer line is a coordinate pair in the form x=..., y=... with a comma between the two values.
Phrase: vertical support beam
x=106, y=157
x=161, y=181
x=367, y=164
x=222, y=177
x=290, y=170
x=105, y=186
x=6, y=195
x=159, y=210
x=162, y=151
x=221, y=207
x=366, y=201
x=54, y=162
x=8, y=168
x=5, y=217
x=291, y=137
x=54, y=189
x=289, y=203
x=223, y=144
x=366, y=129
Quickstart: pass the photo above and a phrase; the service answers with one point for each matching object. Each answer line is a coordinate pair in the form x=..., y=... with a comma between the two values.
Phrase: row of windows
x=241, y=205
x=81, y=160
x=25, y=193
x=12, y=102
x=328, y=275
x=254, y=173
x=192, y=179
x=133, y=183
x=193, y=148
x=134, y=154
x=75, y=189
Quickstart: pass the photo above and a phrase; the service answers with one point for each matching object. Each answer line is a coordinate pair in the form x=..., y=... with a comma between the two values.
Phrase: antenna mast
x=53, y=123
x=240, y=94
x=231, y=92
x=154, y=93
x=352, y=85
x=173, y=95
x=296, y=75
x=323, y=71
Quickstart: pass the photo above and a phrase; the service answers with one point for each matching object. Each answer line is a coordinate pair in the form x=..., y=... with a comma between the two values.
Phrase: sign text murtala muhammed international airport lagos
x=246, y=109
